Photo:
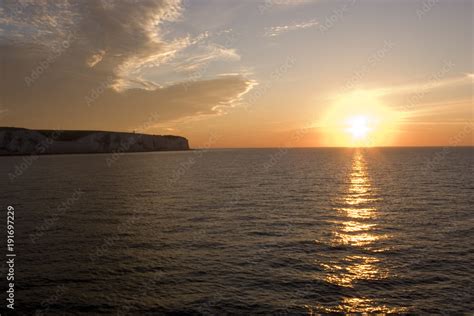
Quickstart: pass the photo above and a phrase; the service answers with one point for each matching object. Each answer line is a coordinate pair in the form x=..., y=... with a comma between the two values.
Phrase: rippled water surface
x=244, y=231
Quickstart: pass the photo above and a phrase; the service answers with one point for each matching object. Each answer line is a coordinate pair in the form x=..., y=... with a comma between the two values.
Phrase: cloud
x=416, y=90
x=78, y=64
x=269, y=4
x=278, y=30
x=435, y=82
x=2, y=110
x=427, y=102
x=95, y=58
x=203, y=56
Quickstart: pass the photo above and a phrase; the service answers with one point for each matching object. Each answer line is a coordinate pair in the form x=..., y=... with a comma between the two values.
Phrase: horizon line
x=338, y=147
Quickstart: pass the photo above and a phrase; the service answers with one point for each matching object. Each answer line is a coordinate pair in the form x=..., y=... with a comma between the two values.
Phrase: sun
x=359, y=126
x=359, y=119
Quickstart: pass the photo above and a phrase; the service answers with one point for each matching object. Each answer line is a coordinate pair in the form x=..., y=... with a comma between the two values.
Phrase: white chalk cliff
x=20, y=141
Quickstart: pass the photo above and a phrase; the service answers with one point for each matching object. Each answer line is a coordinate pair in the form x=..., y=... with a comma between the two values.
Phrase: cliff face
x=20, y=141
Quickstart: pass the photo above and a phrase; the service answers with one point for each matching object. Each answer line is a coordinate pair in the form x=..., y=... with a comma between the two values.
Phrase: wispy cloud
x=269, y=4
x=421, y=87
x=278, y=30
x=413, y=103
x=290, y=2
x=2, y=110
x=204, y=55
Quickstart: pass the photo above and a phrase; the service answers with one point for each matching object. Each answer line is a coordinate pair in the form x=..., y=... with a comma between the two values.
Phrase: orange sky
x=244, y=74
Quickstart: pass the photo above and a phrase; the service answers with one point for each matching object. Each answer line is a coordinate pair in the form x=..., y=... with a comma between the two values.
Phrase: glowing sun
x=359, y=118
x=358, y=126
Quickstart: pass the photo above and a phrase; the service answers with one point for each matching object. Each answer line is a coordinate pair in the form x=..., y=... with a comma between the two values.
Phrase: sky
x=227, y=73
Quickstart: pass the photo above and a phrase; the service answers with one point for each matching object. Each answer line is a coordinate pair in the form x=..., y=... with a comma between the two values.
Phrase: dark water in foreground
x=244, y=232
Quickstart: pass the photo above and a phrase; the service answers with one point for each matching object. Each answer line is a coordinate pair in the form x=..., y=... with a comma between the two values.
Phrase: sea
x=240, y=232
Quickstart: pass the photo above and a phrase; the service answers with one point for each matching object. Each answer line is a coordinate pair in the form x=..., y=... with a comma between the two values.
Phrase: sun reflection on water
x=358, y=208
x=357, y=230
x=358, y=306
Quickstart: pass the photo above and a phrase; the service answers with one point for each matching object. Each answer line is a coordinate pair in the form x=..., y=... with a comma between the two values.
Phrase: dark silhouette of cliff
x=22, y=141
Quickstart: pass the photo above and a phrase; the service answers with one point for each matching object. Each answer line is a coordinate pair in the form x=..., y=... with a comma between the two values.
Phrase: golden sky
x=243, y=73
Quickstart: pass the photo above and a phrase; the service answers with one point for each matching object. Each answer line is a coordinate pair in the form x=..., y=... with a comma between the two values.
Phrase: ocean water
x=254, y=231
